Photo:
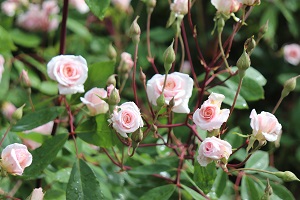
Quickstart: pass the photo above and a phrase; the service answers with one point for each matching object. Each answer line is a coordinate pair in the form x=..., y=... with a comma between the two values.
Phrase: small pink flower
x=291, y=53
x=265, y=126
x=9, y=8
x=93, y=101
x=44, y=129
x=226, y=6
x=178, y=85
x=8, y=109
x=126, y=63
x=15, y=158
x=121, y=4
x=80, y=6
x=180, y=7
x=213, y=148
x=210, y=116
x=126, y=119
x=110, y=89
x=2, y=61
x=37, y=194
x=25, y=78
x=50, y=7
x=69, y=71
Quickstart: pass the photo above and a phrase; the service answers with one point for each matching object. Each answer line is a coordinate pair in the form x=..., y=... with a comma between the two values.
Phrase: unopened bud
x=243, y=64
x=286, y=176
x=268, y=192
x=169, y=57
x=137, y=136
x=142, y=76
x=135, y=31
x=25, y=79
x=18, y=114
x=111, y=80
x=249, y=44
x=114, y=97
x=288, y=86
x=160, y=101
x=111, y=52
x=150, y=5
x=263, y=29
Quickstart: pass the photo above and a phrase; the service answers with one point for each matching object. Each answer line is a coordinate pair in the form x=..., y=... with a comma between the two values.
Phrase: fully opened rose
x=265, y=126
x=93, y=101
x=209, y=116
x=213, y=148
x=15, y=158
x=126, y=118
x=178, y=86
x=70, y=72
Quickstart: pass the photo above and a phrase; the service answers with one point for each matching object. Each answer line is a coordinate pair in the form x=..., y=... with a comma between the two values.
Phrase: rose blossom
x=126, y=118
x=15, y=158
x=44, y=129
x=80, y=6
x=291, y=53
x=265, y=126
x=226, y=6
x=178, y=85
x=37, y=194
x=9, y=8
x=210, y=116
x=122, y=4
x=69, y=71
x=213, y=148
x=8, y=109
x=2, y=61
x=180, y=7
x=93, y=101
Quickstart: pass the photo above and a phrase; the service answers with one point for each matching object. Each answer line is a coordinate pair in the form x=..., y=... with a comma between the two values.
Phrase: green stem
x=251, y=169
x=222, y=50
x=182, y=51
x=5, y=134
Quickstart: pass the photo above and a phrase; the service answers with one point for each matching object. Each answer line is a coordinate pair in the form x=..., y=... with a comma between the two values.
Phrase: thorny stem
x=237, y=183
x=63, y=29
x=134, y=74
x=5, y=134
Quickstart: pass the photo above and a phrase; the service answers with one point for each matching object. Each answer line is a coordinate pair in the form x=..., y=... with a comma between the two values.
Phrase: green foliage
x=159, y=193
x=83, y=184
x=98, y=7
x=204, y=177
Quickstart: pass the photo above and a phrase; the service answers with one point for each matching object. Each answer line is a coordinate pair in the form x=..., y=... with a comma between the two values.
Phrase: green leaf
x=204, y=177
x=25, y=39
x=220, y=182
x=44, y=155
x=97, y=7
x=250, y=190
x=48, y=87
x=259, y=160
x=79, y=29
x=4, y=83
x=83, y=183
x=37, y=118
x=229, y=96
x=193, y=193
x=6, y=41
x=251, y=89
x=98, y=74
x=252, y=73
x=159, y=193
x=149, y=169
x=97, y=131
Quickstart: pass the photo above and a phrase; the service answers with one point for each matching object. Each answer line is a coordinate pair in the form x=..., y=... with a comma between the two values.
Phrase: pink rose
x=210, y=116
x=93, y=101
x=126, y=118
x=126, y=63
x=121, y=4
x=180, y=7
x=40, y=18
x=15, y=158
x=9, y=8
x=45, y=129
x=2, y=61
x=8, y=109
x=69, y=71
x=291, y=53
x=178, y=85
x=80, y=6
x=37, y=194
x=213, y=148
x=226, y=6
x=265, y=126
